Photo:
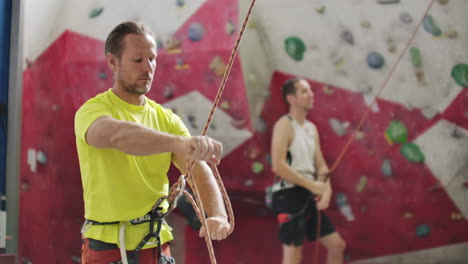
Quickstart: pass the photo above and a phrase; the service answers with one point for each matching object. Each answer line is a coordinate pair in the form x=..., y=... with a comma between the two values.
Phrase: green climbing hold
x=362, y=184
x=423, y=230
x=430, y=26
x=396, y=132
x=416, y=57
x=460, y=74
x=321, y=10
x=257, y=167
x=96, y=12
x=295, y=48
x=412, y=152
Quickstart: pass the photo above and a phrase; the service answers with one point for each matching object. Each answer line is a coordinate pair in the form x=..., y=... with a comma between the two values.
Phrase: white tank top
x=302, y=148
x=301, y=152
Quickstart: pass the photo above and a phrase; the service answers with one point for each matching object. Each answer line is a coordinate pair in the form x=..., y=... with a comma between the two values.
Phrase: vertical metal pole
x=14, y=126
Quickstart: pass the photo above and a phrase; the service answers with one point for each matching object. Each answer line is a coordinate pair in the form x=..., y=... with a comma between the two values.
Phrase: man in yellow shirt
x=126, y=143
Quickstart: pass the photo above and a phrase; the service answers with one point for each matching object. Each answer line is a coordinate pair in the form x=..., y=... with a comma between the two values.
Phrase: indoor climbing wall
x=399, y=192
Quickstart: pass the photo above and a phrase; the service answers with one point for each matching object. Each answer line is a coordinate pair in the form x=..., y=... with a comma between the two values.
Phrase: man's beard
x=134, y=88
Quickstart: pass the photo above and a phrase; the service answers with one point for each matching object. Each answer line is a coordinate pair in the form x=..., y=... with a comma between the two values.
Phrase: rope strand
x=361, y=122
x=196, y=203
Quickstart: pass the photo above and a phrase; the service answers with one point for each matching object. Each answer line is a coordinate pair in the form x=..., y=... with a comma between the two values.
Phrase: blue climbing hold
x=423, y=230
x=375, y=60
x=196, y=31
x=430, y=26
x=180, y=3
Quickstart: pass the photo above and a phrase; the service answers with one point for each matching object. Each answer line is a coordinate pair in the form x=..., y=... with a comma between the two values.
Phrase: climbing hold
x=347, y=36
x=442, y=2
x=345, y=209
x=339, y=62
x=266, y=94
x=386, y=168
x=102, y=75
x=362, y=184
x=257, y=167
x=249, y=183
x=465, y=184
x=408, y=215
x=396, y=132
x=359, y=135
x=421, y=77
x=388, y=1
x=25, y=187
x=392, y=47
x=268, y=158
x=412, y=152
x=321, y=10
x=230, y=27
x=327, y=90
x=451, y=34
x=225, y=105
x=295, y=48
x=369, y=100
x=239, y=124
x=168, y=92
x=217, y=66
x=212, y=125
x=96, y=12
x=365, y=24
x=457, y=216
x=337, y=126
x=55, y=107
x=406, y=18
x=430, y=26
x=423, y=230
x=375, y=60
x=460, y=74
x=76, y=259
x=416, y=57
x=192, y=120
x=252, y=153
x=180, y=64
x=173, y=45
x=180, y=3
x=260, y=125
x=41, y=157
x=457, y=133
x=196, y=32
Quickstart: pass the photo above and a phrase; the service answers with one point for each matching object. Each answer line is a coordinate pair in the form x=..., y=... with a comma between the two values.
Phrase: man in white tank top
x=296, y=159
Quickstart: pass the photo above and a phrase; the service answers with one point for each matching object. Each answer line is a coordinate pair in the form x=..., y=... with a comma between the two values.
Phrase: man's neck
x=298, y=114
x=129, y=97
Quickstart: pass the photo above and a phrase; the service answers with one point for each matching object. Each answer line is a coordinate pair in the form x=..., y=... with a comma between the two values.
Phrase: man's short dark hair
x=114, y=42
x=289, y=87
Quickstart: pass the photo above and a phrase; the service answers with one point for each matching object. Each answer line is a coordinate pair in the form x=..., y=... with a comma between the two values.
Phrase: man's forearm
x=289, y=174
x=210, y=194
x=138, y=140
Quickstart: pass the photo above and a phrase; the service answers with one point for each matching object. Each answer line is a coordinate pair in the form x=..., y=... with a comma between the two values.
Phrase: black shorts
x=297, y=213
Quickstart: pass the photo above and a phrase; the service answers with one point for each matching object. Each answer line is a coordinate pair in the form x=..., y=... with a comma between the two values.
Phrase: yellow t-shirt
x=118, y=186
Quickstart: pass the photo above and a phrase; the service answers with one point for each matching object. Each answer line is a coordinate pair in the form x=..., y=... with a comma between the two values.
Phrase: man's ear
x=290, y=98
x=111, y=61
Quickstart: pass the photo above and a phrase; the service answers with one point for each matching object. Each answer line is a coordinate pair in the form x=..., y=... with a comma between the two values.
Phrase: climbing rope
x=176, y=190
x=364, y=117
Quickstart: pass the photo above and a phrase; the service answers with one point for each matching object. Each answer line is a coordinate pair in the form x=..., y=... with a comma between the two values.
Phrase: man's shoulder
x=99, y=98
x=283, y=124
x=311, y=124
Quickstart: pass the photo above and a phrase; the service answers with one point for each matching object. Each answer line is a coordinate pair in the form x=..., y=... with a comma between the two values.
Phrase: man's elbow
x=276, y=168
